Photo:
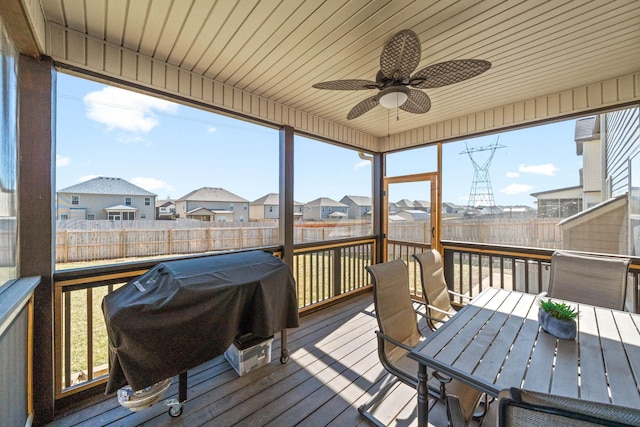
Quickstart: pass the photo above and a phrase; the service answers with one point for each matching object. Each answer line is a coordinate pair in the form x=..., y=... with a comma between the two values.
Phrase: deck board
x=333, y=368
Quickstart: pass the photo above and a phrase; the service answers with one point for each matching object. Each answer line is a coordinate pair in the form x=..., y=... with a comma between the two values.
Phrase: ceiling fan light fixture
x=393, y=97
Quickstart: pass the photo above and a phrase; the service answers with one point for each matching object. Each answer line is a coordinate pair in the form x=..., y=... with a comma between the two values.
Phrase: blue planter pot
x=564, y=329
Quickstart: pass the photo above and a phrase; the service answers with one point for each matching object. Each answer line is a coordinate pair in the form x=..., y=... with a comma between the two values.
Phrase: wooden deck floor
x=332, y=369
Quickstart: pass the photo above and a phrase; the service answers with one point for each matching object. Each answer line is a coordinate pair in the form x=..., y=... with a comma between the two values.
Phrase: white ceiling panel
x=278, y=49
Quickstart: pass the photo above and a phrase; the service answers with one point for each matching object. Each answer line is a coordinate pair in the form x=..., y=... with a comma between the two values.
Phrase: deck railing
x=322, y=273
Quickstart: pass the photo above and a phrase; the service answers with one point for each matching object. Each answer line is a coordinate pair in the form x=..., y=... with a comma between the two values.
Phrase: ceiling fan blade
x=352, y=84
x=401, y=55
x=448, y=72
x=417, y=103
x=362, y=107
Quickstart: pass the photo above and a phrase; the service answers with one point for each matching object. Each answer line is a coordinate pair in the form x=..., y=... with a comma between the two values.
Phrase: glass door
x=411, y=211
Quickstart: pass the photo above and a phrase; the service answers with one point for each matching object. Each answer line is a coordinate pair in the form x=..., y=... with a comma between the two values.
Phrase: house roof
x=271, y=199
x=212, y=194
x=325, y=201
x=337, y=215
x=121, y=208
x=550, y=59
x=357, y=200
x=422, y=203
x=105, y=185
x=573, y=189
x=164, y=203
x=405, y=203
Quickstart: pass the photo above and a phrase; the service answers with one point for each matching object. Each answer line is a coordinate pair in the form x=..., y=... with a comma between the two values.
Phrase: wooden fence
x=86, y=241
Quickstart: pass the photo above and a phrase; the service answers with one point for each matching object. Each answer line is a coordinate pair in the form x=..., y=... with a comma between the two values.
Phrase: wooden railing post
x=449, y=269
x=337, y=271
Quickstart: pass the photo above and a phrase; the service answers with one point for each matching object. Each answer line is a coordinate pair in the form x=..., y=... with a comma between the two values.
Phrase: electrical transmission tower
x=481, y=192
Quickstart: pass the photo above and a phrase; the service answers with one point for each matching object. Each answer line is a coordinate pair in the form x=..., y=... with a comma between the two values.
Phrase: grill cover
x=182, y=313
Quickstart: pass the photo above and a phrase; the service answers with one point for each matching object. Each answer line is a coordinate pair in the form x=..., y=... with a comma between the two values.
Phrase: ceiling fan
x=399, y=58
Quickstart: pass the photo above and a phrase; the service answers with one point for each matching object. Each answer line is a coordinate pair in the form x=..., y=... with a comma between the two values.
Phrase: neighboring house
x=396, y=218
x=165, y=209
x=413, y=215
x=322, y=208
x=405, y=204
x=598, y=211
x=422, y=205
x=451, y=208
x=589, y=146
x=212, y=204
x=105, y=198
x=559, y=203
x=268, y=207
x=358, y=206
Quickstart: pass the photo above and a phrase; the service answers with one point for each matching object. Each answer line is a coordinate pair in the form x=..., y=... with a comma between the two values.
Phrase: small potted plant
x=558, y=319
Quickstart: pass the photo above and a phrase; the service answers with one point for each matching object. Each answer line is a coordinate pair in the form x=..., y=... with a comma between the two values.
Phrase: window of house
x=75, y=200
x=91, y=217
x=143, y=216
x=127, y=201
x=128, y=216
x=147, y=201
x=64, y=216
x=231, y=207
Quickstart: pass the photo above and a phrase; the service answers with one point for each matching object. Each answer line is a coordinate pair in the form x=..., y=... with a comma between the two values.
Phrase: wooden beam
x=17, y=24
x=36, y=153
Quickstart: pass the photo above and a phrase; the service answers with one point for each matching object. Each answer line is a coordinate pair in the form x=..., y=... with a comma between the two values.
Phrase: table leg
x=423, y=396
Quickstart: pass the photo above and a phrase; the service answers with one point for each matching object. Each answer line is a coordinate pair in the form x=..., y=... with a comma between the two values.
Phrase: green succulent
x=559, y=310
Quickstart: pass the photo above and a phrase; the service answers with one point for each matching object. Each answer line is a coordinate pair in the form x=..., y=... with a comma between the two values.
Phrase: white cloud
x=62, y=161
x=548, y=169
x=150, y=184
x=512, y=174
x=121, y=109
x=129, y=138
x=361, y=164
x=211, y=129
x=513, y=189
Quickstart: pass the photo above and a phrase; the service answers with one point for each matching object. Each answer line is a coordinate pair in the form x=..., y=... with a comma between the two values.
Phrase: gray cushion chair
x=589, y=279
x=434, y=288
x=398, y=334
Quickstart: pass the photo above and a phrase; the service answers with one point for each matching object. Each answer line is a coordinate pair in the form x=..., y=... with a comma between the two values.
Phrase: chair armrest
x=454, y=411
x=456, y=294
x=394, y=342
x=542, y=295
x=440, y=311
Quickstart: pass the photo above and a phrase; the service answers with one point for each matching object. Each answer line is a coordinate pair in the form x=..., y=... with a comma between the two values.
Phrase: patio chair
x=434, y=288
x=593, y=280
x=519, y=407
x=397, y=335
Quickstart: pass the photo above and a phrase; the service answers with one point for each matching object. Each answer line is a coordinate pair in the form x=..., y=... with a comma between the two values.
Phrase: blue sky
x=170, y=150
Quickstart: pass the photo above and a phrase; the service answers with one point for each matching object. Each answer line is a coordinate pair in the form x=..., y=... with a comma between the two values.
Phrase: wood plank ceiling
x=278, y=48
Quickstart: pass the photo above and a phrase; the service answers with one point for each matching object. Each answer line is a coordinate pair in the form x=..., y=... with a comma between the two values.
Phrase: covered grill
x=182, y=313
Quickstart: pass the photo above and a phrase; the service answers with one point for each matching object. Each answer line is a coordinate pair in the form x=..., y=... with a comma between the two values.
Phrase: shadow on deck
x=332, y=369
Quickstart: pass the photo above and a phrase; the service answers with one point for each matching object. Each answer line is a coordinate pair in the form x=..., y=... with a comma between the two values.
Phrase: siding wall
x=96, y=56
x=622, y=136
x=13, y=370
x=582, y=99
x=16, y=321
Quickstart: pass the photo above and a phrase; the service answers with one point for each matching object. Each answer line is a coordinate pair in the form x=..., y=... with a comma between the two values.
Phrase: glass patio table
x=495, y=342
